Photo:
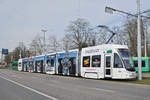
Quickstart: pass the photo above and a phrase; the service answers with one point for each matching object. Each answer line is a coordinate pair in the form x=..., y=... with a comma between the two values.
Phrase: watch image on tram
x=50, y=66
x=107, y=61
x=67, y=63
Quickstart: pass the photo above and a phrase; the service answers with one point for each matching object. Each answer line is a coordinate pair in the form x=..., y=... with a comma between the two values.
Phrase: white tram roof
x=50, y=54
x=102, y=48
x=106, y=46
x=39, y=56
x=68, y=51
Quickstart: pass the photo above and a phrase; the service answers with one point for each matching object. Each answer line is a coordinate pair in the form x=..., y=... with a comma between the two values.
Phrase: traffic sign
x=4, y=51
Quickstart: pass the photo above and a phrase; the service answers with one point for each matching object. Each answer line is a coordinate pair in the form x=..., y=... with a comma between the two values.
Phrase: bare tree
x=37, y=45
x=80, y=30
x=20, y=51
x=67, y=42
x=120, y=37
x=24, y=50
x=53, y=44
x=8, y=58
x=103, y=36
x=130, y=28
x=93, y=38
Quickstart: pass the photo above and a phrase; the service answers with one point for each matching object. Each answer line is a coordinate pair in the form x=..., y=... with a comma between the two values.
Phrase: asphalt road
x=34, y=86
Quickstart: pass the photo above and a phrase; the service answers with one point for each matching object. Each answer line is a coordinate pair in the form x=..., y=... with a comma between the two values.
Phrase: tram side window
x=96, y=61
x=117, y=61
x=149, y=64
x=143, y=64
x=14, y=65
x=108, y=61
x=136, y=63
x=86, y=61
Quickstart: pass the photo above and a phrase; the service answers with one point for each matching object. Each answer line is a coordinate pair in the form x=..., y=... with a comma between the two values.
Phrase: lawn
x=144, y=81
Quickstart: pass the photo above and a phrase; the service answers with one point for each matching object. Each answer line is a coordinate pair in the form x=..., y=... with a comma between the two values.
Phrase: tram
x=15, y=65
x=103, y=61
x=20, y=65
x=107, y=61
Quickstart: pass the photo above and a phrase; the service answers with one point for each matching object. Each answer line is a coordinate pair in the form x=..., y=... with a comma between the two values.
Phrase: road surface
x=16, y=85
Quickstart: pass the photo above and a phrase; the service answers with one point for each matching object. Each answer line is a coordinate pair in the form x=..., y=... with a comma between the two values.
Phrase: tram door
x=36, y=66
x=72, y=68
x=108, y=66
x=42, y=67
x=60, y=66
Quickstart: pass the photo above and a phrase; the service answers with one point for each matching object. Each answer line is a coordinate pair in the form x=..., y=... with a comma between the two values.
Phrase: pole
x=1, y=58
x=44, y=31
x=20, y=45
x=44, y=43
x=20, y=54
x=139, y=41
x=145, y=42
x=1, y=55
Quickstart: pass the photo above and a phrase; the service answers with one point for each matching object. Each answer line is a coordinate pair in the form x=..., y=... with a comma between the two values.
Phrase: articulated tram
x=107, y=61
x=103, y=61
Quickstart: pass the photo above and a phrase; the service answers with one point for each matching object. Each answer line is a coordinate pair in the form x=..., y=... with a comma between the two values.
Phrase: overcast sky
x=22, y=20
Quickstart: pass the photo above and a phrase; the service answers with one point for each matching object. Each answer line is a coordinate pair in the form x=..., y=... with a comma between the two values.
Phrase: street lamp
x=44, y=31
x=110, y=10
x=106, y=27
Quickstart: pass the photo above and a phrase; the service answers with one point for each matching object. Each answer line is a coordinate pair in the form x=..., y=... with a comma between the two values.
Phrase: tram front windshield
x=126, y=57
